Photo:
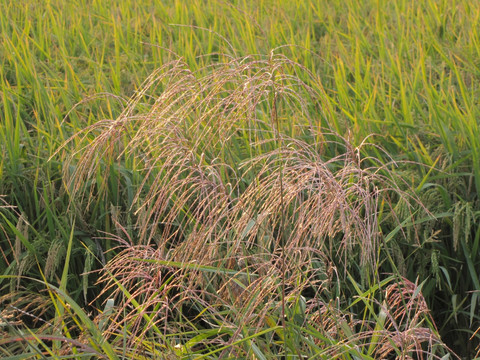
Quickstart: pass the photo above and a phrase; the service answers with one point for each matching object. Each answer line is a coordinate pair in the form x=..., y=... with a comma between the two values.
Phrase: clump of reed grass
x=246, y=218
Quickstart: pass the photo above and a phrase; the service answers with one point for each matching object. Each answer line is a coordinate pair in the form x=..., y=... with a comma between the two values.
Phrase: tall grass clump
x=253, y=233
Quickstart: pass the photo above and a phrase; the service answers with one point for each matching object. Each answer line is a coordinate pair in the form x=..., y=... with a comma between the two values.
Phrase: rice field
x=239, y=179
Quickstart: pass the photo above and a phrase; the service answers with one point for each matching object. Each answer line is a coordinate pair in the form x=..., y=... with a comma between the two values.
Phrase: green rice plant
x=70, y=334
x=47, y=322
